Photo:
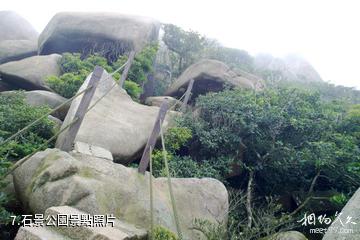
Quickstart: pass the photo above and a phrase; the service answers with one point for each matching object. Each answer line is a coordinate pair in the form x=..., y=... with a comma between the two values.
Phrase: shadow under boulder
x=210, y=76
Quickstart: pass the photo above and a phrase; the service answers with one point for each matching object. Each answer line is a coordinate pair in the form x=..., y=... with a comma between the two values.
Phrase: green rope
x=173, y=203
x=151, y=200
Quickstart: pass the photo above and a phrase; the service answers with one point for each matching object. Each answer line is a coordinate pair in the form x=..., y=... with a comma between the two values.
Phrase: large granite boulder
x=72, y=228
x=116, y=123
x=14, y=27
x=98, y=186
x=109, y=32
x=13, y=50
x=209, y=76
x=31, y=73
x=18, y=38
x=347, y=224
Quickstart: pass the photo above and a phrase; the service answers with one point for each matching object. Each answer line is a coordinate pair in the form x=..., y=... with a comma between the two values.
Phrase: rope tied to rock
x=26, y=128
x=172, y=197
x=23, y=160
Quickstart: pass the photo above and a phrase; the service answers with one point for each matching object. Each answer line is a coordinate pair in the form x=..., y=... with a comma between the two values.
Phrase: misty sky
x=325, y=32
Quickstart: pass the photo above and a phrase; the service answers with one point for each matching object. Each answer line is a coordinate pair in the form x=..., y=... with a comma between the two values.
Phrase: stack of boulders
x=87, y=180
x=99, y=187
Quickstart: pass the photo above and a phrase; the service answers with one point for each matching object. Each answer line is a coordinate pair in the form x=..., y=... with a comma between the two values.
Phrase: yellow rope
x=173, y=203
x=151, y=200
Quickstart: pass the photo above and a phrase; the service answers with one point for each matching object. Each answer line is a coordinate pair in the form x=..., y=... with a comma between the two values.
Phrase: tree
x=285, y=140
x=75, y=70
x=186, y=44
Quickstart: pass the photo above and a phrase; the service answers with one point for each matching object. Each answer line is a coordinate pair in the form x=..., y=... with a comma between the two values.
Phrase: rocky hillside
x=169, y=135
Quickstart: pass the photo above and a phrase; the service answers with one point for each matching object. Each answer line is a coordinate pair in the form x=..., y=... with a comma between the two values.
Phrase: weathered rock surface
x=31, y=73
x=13, y=50
x=97, y=186
x=290, y=235
x=14, y=27
x=78, y=32
x=158, y=100
x=18, y=38
x=92, y=150
x=116, y=123
x=209, y=76
x=105, y=230
x=349, y=231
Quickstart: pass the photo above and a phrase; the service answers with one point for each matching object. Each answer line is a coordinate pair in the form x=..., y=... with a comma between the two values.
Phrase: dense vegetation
x=277, y=142
x=75, y=69
x=15, y=114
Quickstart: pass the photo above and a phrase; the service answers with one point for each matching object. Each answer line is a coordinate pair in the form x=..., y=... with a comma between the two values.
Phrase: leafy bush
x=162, y=233
x=75, y=70
x=175, y=137
x=67, y=84
x=185, y=167
x=133, y=89
x=15, y=114
x=283, y=140
x=141, y=66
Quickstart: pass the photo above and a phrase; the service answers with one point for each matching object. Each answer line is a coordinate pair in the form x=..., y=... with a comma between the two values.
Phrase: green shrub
x=133, y=89
x=15, y=114
x=162, y=233
x=67, y=84
x=186, y=167
x=75, y=70
x=175, y=137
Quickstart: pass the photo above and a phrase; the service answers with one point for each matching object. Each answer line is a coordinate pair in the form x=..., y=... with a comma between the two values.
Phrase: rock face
x=31, y=73
x=97, y=186
x=13, y=50
x=78, y=32
x=92, y=150
x=157, y=100
x=15, y=27
x=18, y=38
x=116, y=123
x=349, y=231
x=114, y=229
x=209, y=76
